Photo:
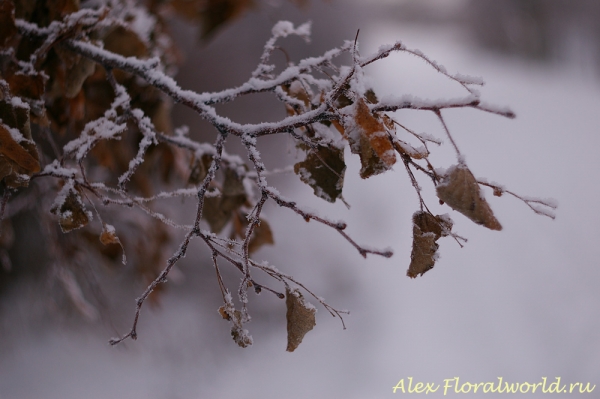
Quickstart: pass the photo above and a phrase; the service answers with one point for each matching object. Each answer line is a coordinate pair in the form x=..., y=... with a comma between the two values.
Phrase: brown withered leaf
x=427, y=229
x=323, y=170
x=12, y=150
x=125, y=42
x=459, y=189
x=7, y=22
x=261, y=235
x=109, y=235
x=77, y=74
x=16, y=160
x=368, y=138
x=223, y=313
x=371, y=96
x=216, y=217
x=405, y=148
x=239, y=334
x=71, y=211
x=199, y=169
x=296, y=90
x=28, y=86
x=217, y=211
x=233, y=193
x=300, y=318
x=16, y=116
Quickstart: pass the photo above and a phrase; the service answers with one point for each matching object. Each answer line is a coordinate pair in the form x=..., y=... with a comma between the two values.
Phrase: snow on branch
x=120, y=156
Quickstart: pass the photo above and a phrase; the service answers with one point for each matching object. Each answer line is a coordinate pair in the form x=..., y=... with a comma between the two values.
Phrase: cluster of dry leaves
x=85, y=134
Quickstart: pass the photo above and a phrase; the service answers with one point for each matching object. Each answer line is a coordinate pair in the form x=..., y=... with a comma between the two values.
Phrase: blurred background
x=519, y=304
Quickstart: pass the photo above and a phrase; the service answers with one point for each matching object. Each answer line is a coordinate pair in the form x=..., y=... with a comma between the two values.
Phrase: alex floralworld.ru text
x=453, y=385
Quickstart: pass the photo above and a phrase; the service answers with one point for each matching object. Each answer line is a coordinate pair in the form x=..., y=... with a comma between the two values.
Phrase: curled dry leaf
x=368, y=138
x=323, y=170
x=239, y=334
x=70, y=209
x=10, y=149
x=427, y=229
x=109, y=235
x=460, y=191
x=300, y=318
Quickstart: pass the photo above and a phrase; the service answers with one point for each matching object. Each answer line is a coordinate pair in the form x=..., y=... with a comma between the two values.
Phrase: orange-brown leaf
x=375, y=132
x=71, y=212
x=13, y=151
x=369, y=138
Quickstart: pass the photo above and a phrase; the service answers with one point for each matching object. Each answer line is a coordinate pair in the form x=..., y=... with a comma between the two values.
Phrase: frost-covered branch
x=121, y=158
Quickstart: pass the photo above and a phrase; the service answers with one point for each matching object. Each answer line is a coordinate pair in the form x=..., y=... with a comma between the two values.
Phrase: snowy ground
x=519, y=304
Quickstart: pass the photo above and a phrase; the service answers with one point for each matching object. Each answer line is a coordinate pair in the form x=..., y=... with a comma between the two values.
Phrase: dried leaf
x=323, y=170
x=16, y=116
x=13, y=151
x=371, y=96
x=460, y=191
x=368, y=138
x=296, y=90
x=218, y=210
x=28, y=86
x=427, y=229
x=82, y=69
x=199, y=169
x=300, y=318
x=109, y=235
x=70, y=209
x=240, y=335
x=125, y=42
x=214, y=214
x=223, y=313
x=405, y=148
x=261, y=235
x=7, y=22
x=234, y=193
x=20, y=160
